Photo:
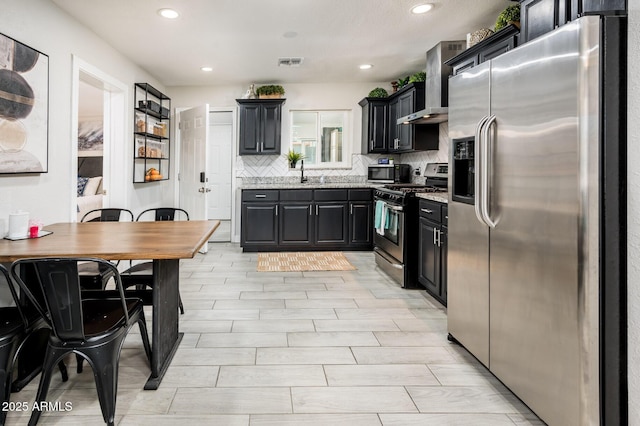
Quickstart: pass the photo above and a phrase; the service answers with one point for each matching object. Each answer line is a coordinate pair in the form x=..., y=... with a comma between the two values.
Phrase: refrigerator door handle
x=487, y=159
x=478, y=184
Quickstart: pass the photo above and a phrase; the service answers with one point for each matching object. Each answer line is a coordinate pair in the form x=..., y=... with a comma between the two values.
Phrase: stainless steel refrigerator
x=536, y=220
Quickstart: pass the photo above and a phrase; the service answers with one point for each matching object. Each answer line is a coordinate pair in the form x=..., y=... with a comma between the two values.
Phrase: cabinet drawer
x=296, y=195
x=330, y=195
x=258, y=195
x=431, y=210
x=360, y=195
x=445, y=215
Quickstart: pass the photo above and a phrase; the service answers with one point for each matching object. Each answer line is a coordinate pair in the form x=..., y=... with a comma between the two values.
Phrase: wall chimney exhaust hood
x=436, y=85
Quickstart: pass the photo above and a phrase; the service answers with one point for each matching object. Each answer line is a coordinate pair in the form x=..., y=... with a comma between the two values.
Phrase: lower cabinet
x=332, y=224
x=361, y=224
x=295, y=223
x=307, y=219
x=432, y=265
x=260, y=218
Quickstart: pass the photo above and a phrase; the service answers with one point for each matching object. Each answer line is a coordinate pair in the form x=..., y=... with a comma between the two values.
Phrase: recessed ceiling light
x=206, y=69
x=168, y=13
x=366, y=66
x=422, y=8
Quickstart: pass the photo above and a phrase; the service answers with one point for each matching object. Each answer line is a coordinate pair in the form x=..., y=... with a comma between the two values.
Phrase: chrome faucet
x=302, y=178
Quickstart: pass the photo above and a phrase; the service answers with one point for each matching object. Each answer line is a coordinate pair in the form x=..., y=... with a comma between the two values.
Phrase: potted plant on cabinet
x=293, y=158
x=378, y=92
x=510, y=15
x=270, y=91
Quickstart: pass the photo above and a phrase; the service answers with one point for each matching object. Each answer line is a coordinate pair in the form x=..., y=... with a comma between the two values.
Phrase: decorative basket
x=477, y=36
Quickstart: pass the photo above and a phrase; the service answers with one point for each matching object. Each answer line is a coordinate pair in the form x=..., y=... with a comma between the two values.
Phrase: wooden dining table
x=164, y=242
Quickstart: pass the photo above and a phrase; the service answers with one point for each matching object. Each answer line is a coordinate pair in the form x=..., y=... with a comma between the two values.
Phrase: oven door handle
x=395, y=208
x=391, y=262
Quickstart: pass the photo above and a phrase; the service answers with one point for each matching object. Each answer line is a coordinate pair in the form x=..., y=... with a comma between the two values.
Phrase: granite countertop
x=310, y=185
x=441, y=197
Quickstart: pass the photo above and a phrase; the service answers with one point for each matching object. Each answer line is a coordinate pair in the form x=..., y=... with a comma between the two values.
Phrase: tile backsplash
x=273, y=167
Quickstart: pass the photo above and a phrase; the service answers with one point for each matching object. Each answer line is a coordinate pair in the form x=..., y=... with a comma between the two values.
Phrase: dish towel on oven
x=380, y=217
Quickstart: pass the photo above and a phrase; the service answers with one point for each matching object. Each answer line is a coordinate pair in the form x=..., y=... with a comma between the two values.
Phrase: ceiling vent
x=290, y=62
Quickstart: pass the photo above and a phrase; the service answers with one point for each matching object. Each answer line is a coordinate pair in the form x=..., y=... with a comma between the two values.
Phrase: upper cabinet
x=382, y=134
x=374, y=124
x=538, y=17
x=260, y=126
x=151, y=134
x=494, y=45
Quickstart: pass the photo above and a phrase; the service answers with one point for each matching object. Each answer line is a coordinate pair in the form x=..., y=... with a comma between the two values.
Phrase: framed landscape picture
x=24, y=108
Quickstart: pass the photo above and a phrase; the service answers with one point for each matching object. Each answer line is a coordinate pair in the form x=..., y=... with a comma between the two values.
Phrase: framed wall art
x=90, y=138
x=24, y=108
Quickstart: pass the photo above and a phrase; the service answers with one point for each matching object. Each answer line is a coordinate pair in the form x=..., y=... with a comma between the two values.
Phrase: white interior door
x=220, y=164
x=194, y=174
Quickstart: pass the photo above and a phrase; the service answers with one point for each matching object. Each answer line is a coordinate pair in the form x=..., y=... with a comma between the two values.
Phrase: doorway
x=220, y=159
x=98, y=119
x=90, y=146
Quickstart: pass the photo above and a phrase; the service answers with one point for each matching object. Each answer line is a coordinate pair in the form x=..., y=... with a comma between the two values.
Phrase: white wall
x=43, y=26
x=633, y=213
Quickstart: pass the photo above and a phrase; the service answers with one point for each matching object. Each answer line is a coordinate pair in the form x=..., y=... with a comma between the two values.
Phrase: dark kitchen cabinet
x=332, y=223
x=432, y=265
x=374, y=125
x=259, y=218
x=295, y=217
x=260, y=126
x=410, y=137
x=407, y=105
x=296, y=226
x=398, y=138
x=409, y=99
x=538, y=17
x=489, y=48
x=307, y=219
x=360, y=218
x=331, y=219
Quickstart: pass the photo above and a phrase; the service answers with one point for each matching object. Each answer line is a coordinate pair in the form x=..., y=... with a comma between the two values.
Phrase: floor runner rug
x=303, y=261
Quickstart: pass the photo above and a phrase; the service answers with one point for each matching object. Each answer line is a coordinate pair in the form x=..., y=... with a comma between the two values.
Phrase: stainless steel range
x=396, y=225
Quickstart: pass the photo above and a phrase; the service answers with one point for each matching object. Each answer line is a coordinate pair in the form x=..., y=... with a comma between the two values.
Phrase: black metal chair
x=92, y=328
x=141, y=274
x=15, y=329
x=92, y=278
x=107, y=215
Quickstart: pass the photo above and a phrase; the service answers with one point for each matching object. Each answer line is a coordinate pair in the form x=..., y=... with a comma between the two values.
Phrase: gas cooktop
x=409, y=188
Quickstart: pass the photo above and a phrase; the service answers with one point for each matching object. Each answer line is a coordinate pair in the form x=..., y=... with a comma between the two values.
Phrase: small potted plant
x=293, y=158
x=378, y=92
x=418, y=77
x=510, y=15
x=272, y=91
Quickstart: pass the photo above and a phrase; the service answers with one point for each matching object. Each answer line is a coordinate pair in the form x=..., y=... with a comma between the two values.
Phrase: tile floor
x=320, y=348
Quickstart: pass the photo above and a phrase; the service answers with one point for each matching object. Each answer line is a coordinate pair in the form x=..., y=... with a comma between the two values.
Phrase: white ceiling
x=243, y=39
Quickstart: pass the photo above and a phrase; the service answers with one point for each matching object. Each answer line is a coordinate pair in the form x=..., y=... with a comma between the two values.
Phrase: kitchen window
x=322, y=137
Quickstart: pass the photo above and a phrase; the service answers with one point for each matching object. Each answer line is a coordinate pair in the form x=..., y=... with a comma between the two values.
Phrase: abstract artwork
x=90, y=138
x=24, y=108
